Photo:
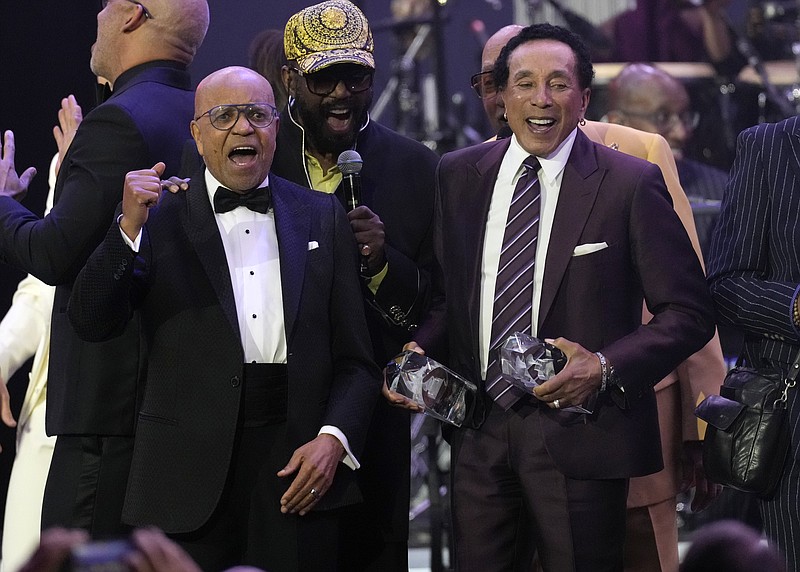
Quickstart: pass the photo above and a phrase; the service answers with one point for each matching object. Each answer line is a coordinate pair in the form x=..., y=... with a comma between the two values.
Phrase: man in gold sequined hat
x=329, y=79
x=329, y=33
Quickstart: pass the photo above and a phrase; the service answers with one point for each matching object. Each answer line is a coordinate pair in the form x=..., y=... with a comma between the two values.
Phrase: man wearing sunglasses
x=143, y=50
x=329, y=76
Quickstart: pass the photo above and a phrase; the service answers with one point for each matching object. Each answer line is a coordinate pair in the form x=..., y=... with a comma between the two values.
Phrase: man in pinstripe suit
x=754, y=273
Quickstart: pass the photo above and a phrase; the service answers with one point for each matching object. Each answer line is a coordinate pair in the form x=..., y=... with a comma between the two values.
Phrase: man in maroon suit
x=550, y=234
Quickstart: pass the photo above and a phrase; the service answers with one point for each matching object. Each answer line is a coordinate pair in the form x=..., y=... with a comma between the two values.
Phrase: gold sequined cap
x=328, y=33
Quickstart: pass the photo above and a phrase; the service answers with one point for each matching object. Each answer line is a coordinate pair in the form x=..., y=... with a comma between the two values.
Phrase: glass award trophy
x=526, y=362
x=440, y=391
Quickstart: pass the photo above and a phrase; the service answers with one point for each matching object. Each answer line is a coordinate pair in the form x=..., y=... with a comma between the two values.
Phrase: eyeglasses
x=224, y=117
x=483, y=84
x=147, y=13
x=324, y=82
x=665, y=120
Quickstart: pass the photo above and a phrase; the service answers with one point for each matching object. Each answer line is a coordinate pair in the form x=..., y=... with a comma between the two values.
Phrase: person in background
x=259, y=391
x=92, y=389
x=647, y=98
x=267, y=57
x=570, y=289
x=754, y=275
x=674, y=31
x=149, y=551
x=25, y=333
x=329, y=78
x=730, y=546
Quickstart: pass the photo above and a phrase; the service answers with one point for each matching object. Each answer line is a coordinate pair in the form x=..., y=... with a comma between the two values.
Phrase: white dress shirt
x=551, y=173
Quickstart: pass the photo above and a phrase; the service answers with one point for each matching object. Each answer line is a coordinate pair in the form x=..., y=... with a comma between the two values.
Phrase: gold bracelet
x=796, y=312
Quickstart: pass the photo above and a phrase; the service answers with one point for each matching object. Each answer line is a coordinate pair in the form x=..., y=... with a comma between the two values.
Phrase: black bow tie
x=256, y=200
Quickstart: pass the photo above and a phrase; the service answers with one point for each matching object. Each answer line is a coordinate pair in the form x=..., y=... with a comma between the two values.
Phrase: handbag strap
x=790, y=381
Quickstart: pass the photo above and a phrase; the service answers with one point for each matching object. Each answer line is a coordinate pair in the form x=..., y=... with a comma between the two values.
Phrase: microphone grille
x=349, y=162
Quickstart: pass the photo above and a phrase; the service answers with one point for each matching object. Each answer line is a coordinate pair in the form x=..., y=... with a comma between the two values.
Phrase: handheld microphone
x=350, y=163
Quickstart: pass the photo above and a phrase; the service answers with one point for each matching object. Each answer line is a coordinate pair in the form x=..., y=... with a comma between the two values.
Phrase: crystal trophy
x=526, y=362
x=439, y=390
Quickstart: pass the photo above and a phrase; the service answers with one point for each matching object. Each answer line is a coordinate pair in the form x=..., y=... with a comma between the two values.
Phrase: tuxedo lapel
x=203, y=234
x=579, y=188
x=292, y=225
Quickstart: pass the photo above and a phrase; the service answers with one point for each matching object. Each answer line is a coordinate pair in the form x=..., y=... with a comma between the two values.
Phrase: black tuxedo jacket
x=92, y=388
x=181, y=284
x=593, y=299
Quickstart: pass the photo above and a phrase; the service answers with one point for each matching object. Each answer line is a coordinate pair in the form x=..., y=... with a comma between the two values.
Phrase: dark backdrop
x=44, y=55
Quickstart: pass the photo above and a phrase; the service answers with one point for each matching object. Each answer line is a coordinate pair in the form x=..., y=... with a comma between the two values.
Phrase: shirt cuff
x=133, y=245
x=349, y=459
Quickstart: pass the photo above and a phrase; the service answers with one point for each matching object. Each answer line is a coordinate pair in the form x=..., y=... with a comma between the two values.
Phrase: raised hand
x=141, y=193
x=69, y=117
x=11, y=184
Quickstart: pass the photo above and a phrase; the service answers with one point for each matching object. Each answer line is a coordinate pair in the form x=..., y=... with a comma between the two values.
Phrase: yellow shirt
x=328, y=183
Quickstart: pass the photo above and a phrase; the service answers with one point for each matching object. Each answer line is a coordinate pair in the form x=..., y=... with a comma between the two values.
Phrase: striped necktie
x=513, y=296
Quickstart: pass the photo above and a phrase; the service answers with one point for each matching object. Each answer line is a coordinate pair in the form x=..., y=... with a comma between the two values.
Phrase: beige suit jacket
x=702, y=373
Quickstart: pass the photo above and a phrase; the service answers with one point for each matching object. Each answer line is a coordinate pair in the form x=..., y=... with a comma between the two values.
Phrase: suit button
x=235, y=381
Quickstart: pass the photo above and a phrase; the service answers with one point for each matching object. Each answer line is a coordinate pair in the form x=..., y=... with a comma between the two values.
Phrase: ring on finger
x=314, y=493
x=557, y=404
x=366, y=250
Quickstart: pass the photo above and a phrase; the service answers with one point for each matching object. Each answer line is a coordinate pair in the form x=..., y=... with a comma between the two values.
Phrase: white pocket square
x=583, y=249
x=313, y=245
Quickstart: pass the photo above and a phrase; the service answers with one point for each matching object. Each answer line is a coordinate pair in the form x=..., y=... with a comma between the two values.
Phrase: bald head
x=647, y=98
x=128, y=34
x=493, y=104
x=239, y=155
x=223, y=86
x=496, y=43
x=638, y=82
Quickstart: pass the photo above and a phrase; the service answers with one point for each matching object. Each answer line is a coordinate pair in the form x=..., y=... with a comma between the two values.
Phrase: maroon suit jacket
x=595, y=299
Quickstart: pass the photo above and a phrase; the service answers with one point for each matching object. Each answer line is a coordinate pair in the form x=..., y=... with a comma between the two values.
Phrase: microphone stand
x=771, y=92
x=405, y=66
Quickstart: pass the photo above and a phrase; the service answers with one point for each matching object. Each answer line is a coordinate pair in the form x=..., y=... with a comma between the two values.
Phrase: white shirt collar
x=554, y=164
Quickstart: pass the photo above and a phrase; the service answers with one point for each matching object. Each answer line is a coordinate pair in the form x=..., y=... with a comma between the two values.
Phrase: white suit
x=25, y=332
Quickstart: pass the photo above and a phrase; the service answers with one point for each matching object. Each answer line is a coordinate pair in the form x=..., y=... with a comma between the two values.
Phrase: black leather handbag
x=747, y=439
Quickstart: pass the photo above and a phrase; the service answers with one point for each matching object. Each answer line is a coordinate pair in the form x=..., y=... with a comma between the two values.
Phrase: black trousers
x=86, y=484
x=510, y=500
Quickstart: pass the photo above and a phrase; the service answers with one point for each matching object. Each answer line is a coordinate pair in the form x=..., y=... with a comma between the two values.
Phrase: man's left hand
x=576, y=382
x=315, y=464
x=368, y=230
x=695, y=475
x=11, y=184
